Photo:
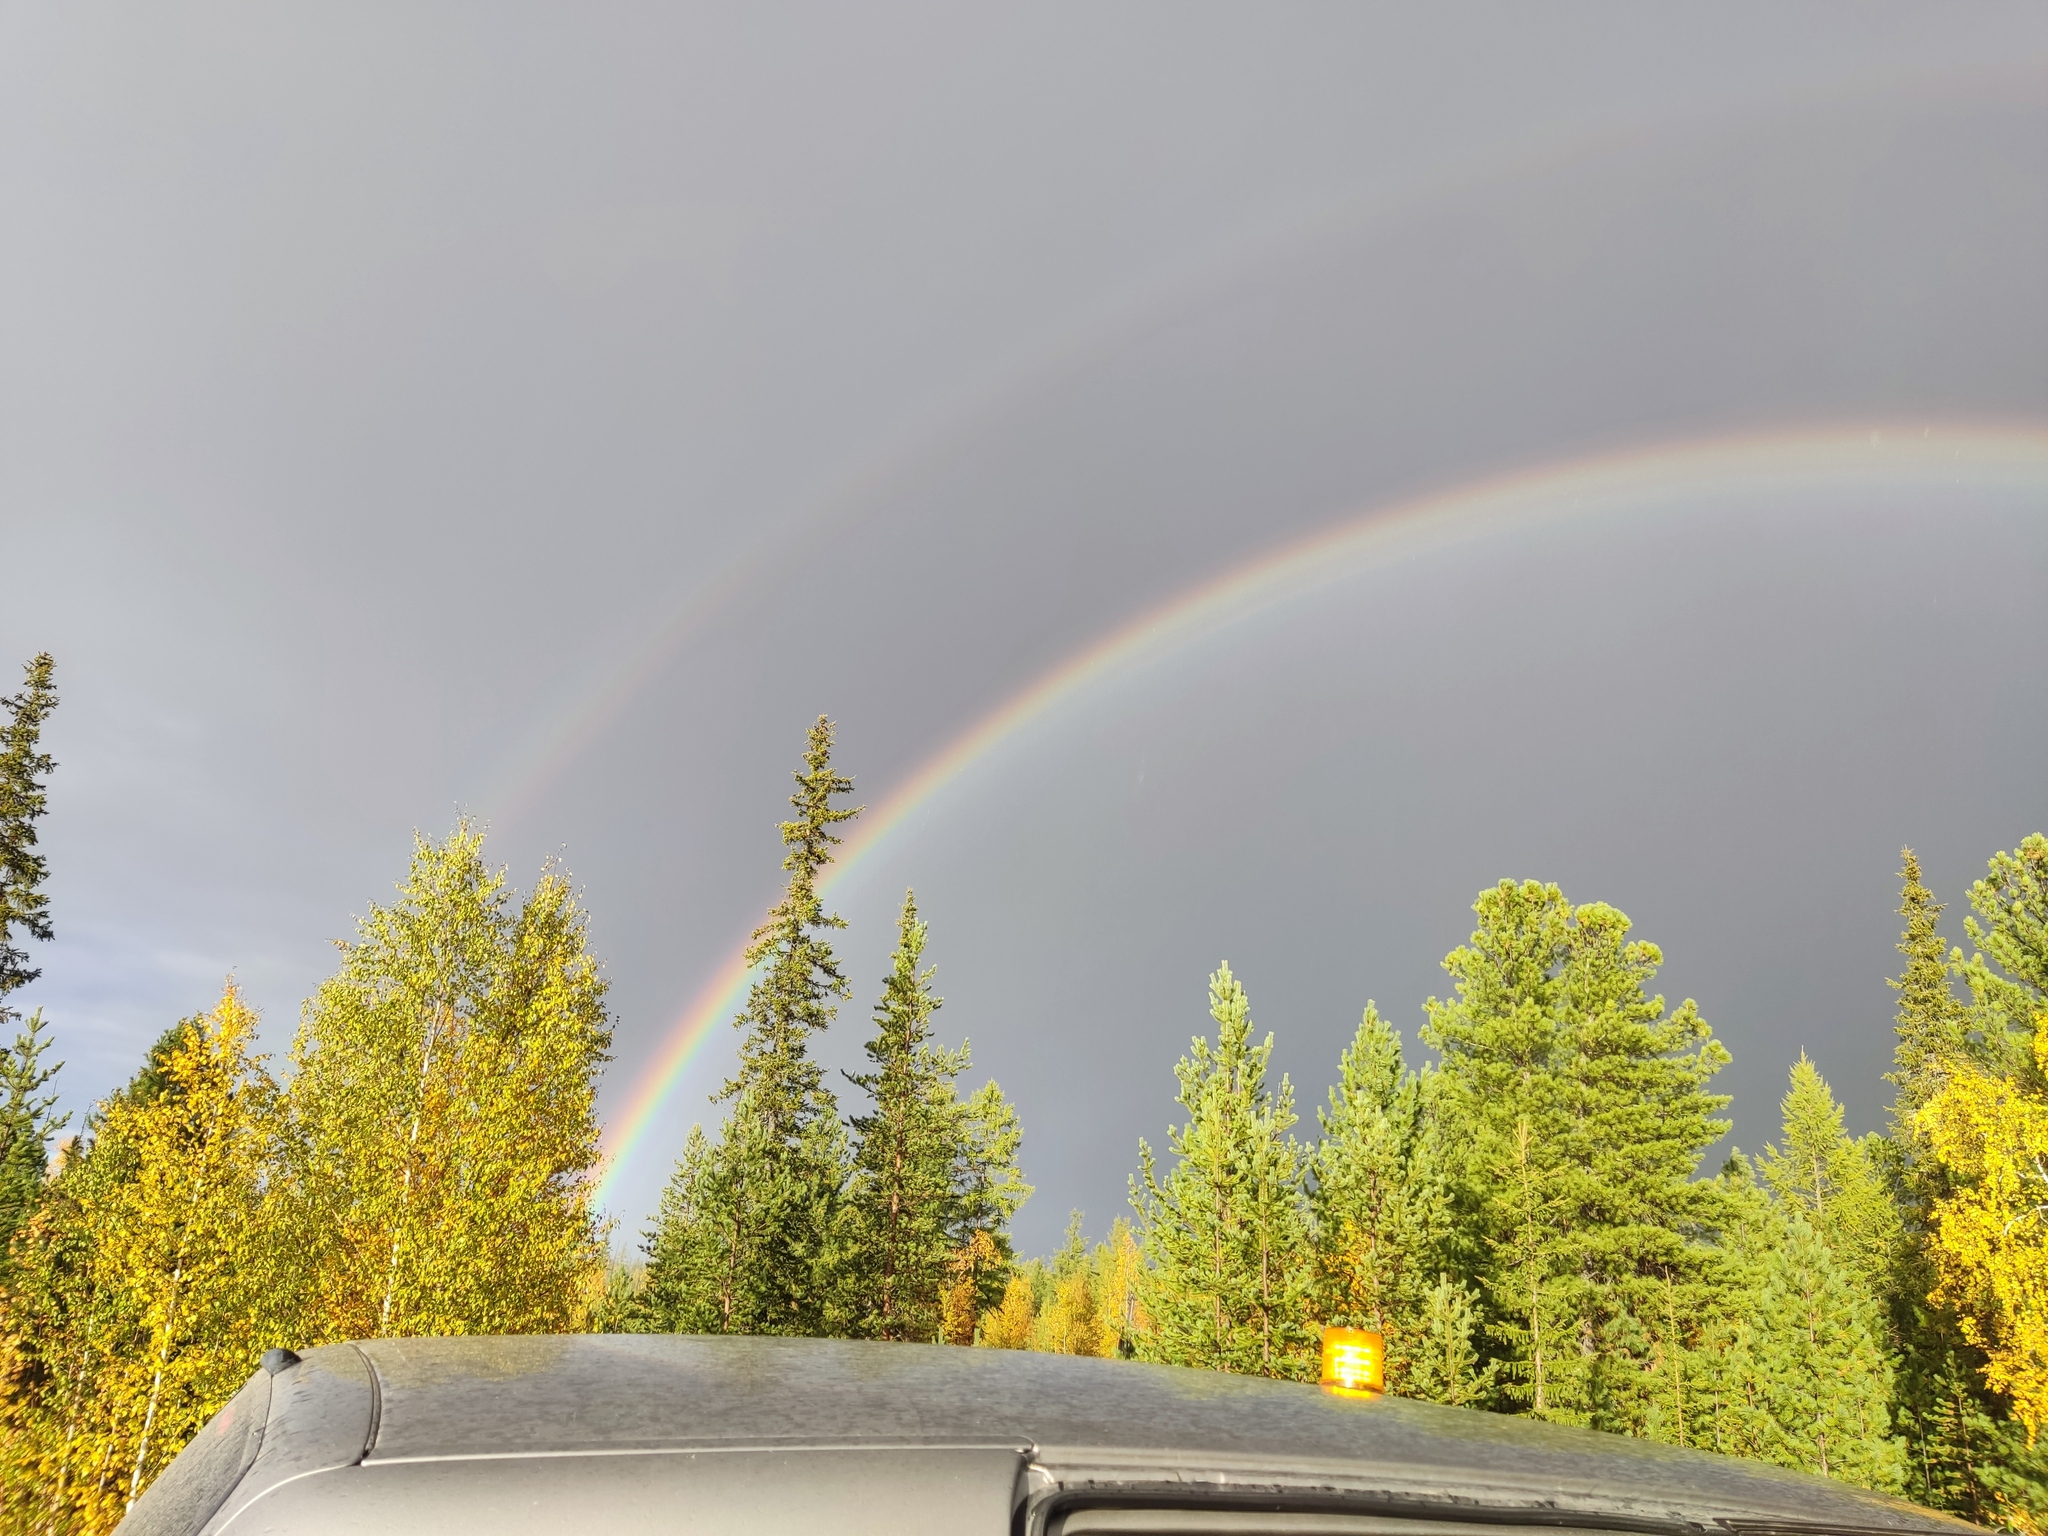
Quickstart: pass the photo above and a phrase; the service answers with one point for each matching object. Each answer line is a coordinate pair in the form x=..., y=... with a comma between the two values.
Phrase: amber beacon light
x=1354, y=1360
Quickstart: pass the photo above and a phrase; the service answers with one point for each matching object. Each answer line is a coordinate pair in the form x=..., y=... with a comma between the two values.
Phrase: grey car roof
x=769, y=1435
x=1105, y=1425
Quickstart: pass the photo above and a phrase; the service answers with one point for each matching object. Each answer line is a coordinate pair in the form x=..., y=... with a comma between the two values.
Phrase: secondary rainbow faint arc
x=1524, y=499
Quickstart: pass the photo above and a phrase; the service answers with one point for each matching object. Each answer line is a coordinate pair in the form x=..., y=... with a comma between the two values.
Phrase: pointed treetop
x=810, y=838
x=24, y=767
x=1933, y=1024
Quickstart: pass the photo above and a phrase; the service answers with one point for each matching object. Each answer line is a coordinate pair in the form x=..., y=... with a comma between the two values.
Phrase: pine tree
x=771, y=1188
x=902, y=1202
x=1443, y=1361
x=1230, y=1261
x=1579, y=1110
x=2008, y=975
x=1835, y=1181
x=443, y=1113
x=1381, y=1203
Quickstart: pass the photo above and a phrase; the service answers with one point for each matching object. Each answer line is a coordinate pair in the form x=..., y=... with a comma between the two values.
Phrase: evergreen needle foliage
x=1581, y=1112
x=24, y=768
x=1227, y=1237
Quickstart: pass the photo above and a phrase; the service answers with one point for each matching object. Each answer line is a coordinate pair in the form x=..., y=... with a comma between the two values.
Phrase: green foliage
x=902, y=1204
x=763, y=1248
x=1382, y=1211
x=1227, y=1239
x=1963, y=1451
x=27, y=1124
x=24, y=768
x=1834, y=1181
x=2008, y=975
x=1800, y=1376
x=1581, y=1113
x=26, y=1120
x=1442, y=1361
x=443, y=1113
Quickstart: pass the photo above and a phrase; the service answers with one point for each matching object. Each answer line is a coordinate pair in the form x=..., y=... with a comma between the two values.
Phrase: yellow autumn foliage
x=148, y=1285
x=1009, y=1325
x=446, y=1091
x=1990, y=1238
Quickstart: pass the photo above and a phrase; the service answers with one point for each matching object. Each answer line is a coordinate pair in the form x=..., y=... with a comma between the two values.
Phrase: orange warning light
x=1354, y=1360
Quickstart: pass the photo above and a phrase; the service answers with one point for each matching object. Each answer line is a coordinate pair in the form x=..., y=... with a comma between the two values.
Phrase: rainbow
x=1524, y=500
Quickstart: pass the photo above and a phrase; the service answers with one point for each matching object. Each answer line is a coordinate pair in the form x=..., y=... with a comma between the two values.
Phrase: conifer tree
x=2008, y=974
x=1381, y=1202
x=1230, y=1261
x=444, y=1109
x=903, y=1206
x=1963, y=1451
x=1820, y=1381
x=27, y=1121
x=1579, y=1109
x=685, y=1247
x=24, y=769
x=1835, y=1181
x=768, y=1195
x=1443, y=1361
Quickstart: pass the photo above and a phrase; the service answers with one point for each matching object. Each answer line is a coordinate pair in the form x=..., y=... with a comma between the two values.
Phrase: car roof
x=1115, y=1430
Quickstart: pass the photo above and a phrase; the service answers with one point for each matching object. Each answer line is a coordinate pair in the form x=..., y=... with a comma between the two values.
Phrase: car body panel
x=635, y=1414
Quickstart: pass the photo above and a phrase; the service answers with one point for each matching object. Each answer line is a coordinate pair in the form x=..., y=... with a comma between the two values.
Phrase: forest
x=1522, y=1208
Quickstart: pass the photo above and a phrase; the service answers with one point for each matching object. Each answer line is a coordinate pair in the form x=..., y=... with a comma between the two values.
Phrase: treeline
x=1525, y=1218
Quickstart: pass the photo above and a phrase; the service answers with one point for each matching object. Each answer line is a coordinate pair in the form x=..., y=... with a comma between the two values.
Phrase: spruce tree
x=1230, y=1258
x=768, y=1195
x=24, y=769
x=443, y=1112
x=686, y=1247
x=27, y=1118
x=902, y=1203
x=1381, y=1203
x=1579, y=1110
x=1835, y=1181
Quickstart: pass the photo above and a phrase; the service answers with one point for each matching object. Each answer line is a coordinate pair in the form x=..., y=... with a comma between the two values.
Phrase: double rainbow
x=1523, y=501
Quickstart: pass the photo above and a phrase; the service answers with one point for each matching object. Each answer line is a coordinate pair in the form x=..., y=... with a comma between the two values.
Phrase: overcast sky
x=544, y=412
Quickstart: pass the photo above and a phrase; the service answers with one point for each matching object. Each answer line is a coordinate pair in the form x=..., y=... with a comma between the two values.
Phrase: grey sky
x=380, y=385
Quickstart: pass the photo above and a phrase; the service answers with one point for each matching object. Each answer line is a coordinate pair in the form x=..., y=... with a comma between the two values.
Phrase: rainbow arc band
x=1354, y=1362
x=1533, y=498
